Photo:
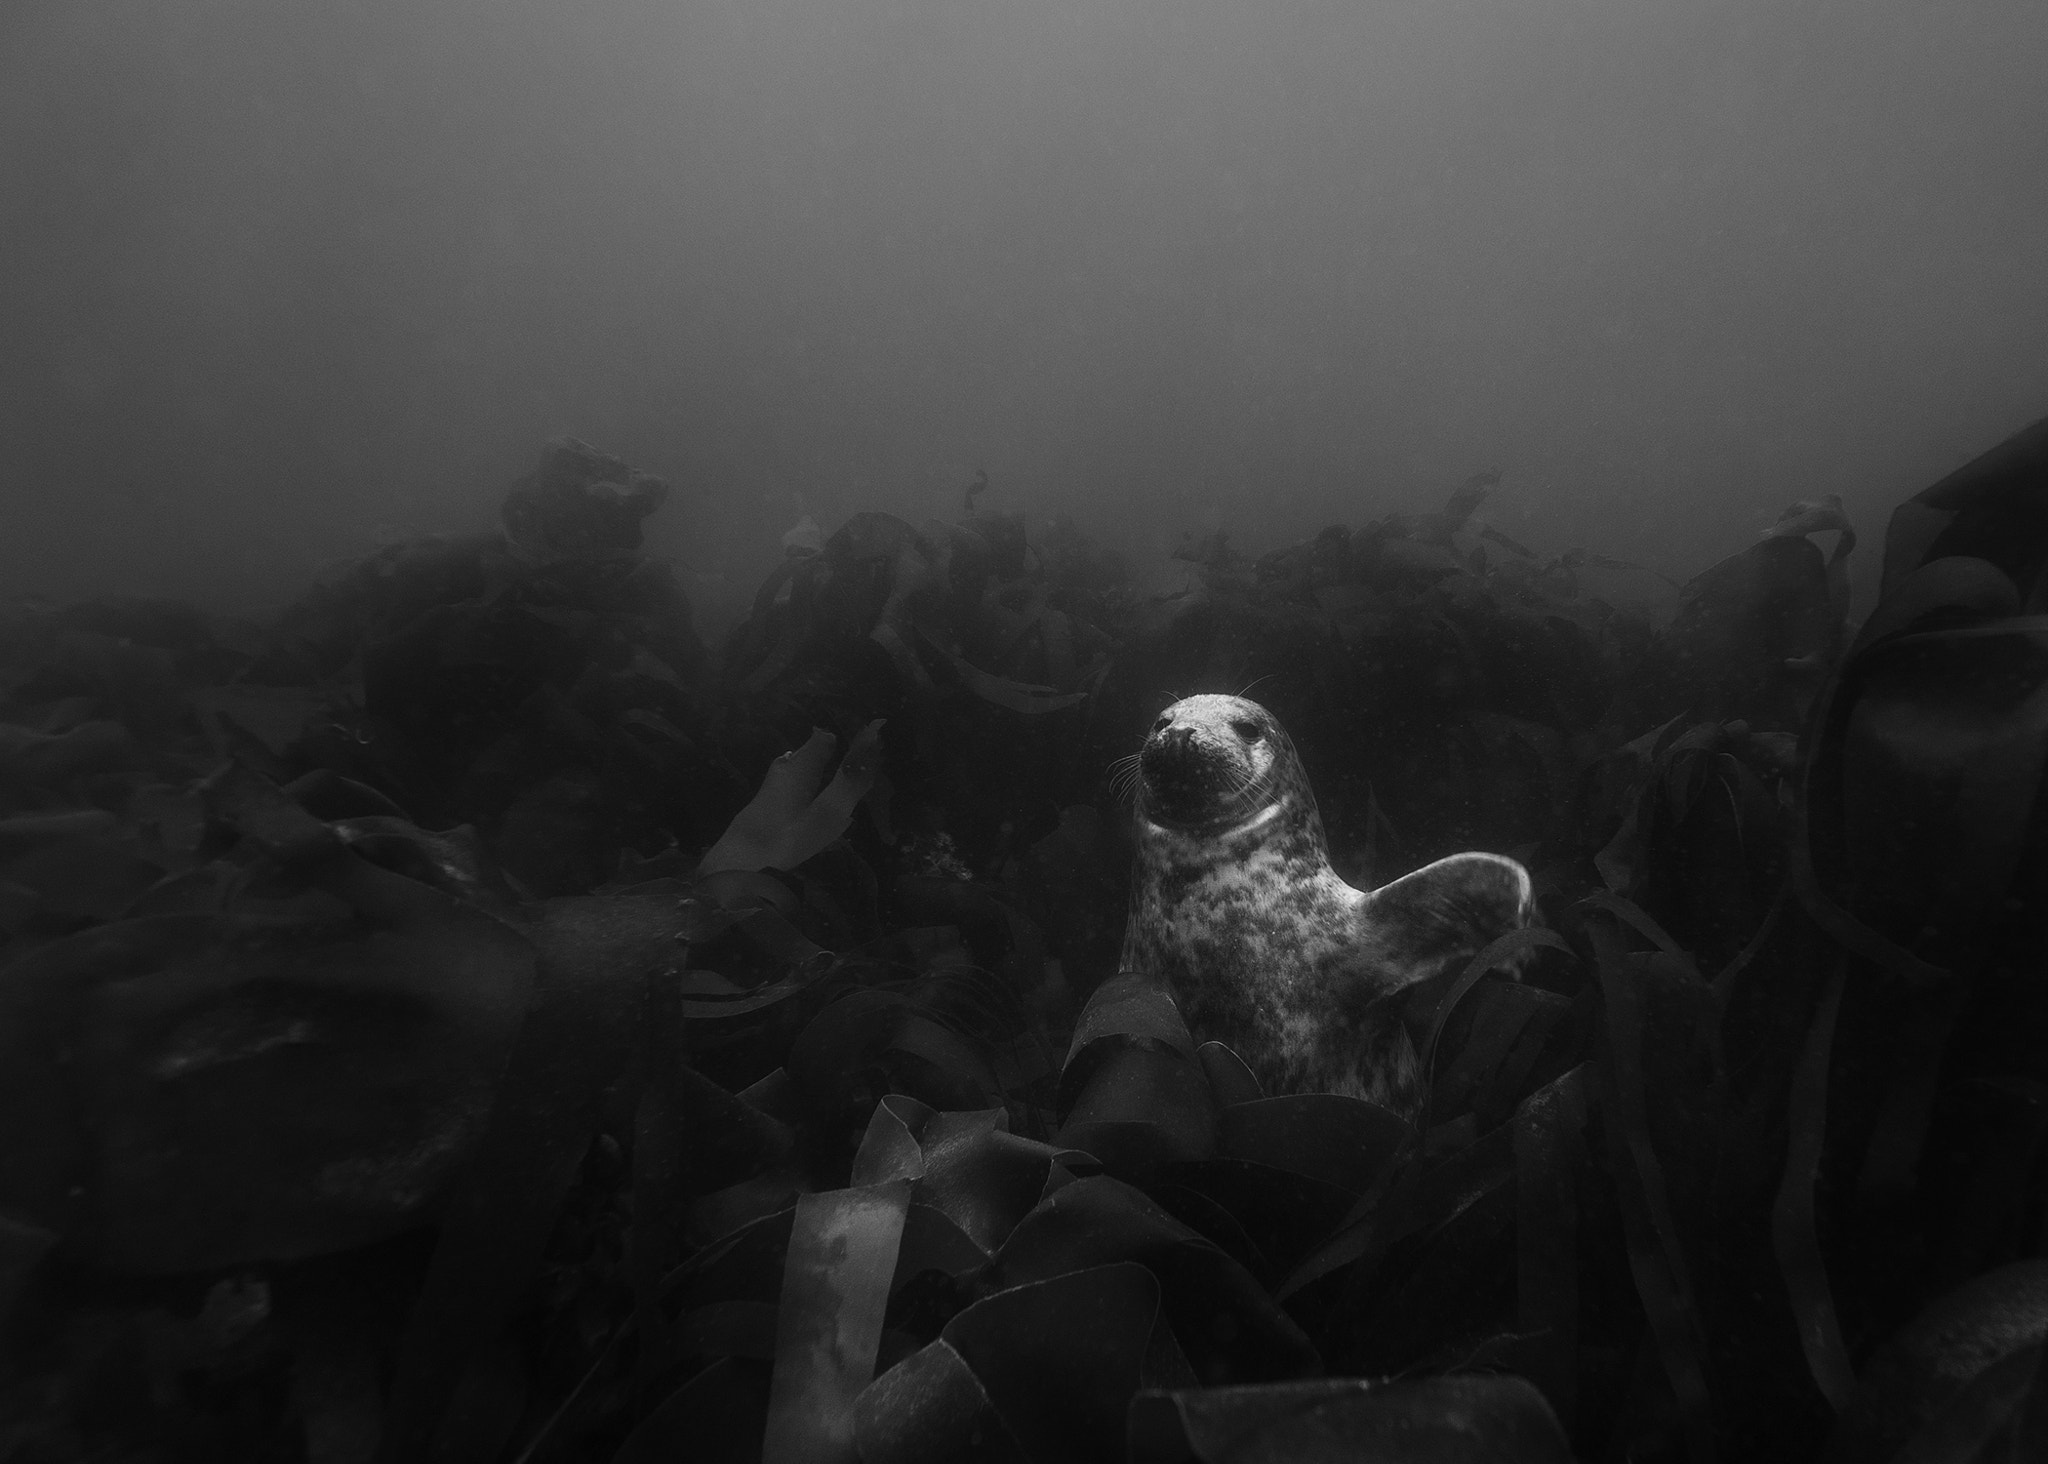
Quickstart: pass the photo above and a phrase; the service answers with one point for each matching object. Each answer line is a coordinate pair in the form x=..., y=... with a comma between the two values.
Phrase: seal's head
x=1211, y=762
x=1219, y=770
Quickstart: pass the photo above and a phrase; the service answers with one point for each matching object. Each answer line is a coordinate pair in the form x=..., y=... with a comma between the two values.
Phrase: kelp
x=1469, y=1417
x=1754, y=635
x=792, y=817
x=913, y=593
x=420, y=1043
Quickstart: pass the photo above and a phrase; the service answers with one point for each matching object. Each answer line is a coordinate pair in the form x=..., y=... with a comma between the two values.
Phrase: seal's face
x=1209, y=762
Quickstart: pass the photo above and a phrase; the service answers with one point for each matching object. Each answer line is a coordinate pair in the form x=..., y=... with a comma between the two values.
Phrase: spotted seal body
x=1235, y=907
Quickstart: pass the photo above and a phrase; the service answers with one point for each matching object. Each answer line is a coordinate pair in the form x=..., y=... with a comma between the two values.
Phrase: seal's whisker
x=1247, y=780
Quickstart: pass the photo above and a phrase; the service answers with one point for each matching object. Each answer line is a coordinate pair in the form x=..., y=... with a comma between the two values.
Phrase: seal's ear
x=1445, y=912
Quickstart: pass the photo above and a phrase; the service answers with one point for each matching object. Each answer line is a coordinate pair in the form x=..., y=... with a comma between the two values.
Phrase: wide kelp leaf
x=244, y=1089
x=1994, y=508
x=1505, y=1033
x=1042, y=1371
x=973, y=1182
x=2030, y=1413
x=962, y=1181
x=835, y=1291
x=1657, y=1255
x=1130, y=1010
x=1981, y=1423
x=451, y=860
x=838, y=1063
x=1265, y=1218
x=80, y=877
x=1793, y=1234
x=1459, y=1417
x=1443, y=1297
x=1432, y=1261
x=714, y=1417
x=1931, y=726
x=32, y=759
x=796, y=813
x=1943, y=737
x=1208, y=1424
x=745, y=1264
x=1421, y=1190
x=1132, y=1091
x=979, y=1175
x=43, y=1009
x=1341, y=1141
x=1702, y=841
x=1754, y=634
x=931, y=1408
x=1140, y=1108
x=1912, y=850
x=27, y=832
x=1511, y=951
x=749, y=942
x=1550, y=1153
x=1924, y=1368
x=1014, y=696
x=1227, y=1324
x=597, y=955
x=721, y=1138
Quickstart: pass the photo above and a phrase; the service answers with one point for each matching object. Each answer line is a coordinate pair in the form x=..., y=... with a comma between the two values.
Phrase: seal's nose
x=1171, y=754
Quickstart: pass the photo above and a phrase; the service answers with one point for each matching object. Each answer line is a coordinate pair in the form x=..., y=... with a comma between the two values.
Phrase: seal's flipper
x=1444, y=912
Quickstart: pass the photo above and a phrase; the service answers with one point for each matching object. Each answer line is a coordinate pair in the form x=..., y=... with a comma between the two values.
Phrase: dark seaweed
x=428, y=1034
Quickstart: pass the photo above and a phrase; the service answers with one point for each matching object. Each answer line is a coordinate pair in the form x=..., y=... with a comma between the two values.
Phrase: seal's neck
x=1289, y=827
x=1180, y=874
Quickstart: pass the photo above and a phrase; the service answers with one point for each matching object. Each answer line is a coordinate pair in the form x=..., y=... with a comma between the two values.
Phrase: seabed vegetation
x=467, y=1018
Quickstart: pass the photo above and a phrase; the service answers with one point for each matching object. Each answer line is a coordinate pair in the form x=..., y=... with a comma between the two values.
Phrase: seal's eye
x=1161, y=724
x=1246, y=729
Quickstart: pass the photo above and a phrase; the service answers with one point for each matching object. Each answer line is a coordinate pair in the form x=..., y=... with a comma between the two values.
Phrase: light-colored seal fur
x=1235, y=906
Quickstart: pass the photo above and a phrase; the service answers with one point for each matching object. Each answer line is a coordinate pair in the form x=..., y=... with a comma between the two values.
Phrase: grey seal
x=1235, y=908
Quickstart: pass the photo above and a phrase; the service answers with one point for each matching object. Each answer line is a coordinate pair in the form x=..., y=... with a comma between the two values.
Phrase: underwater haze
x=282, y=281
x=1023, y=731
